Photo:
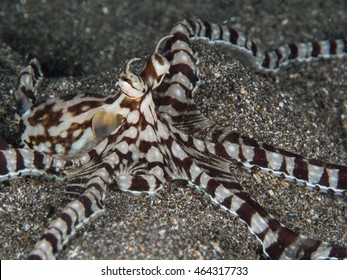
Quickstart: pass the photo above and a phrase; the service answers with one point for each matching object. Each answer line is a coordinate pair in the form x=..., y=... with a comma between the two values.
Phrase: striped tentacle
x=16, y=163
x=77, y=213
x=75, y=186
x=174, y=97
x=278, y=241
x=232, y=146
x=309, y=172
x=91, y=203
x=275, y=58
x=141, y=167
x=210, y=175
x=149, y=183
x=144, y=165
x=174, y=100
x=271, y=60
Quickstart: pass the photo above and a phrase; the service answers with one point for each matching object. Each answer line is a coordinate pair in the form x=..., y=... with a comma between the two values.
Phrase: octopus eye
x=130, y=83
x=134, y=88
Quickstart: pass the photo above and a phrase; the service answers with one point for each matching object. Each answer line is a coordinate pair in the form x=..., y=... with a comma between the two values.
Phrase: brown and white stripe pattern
x=278, y=241
x=78, y=212
x=175, y=104
x=28, y=81
x=159, y=136
x=293, y=167
x=71, y=125
x=123, y=157
x=210, y=174
x=269, y=60
x=16, y=163
x=65, y=126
